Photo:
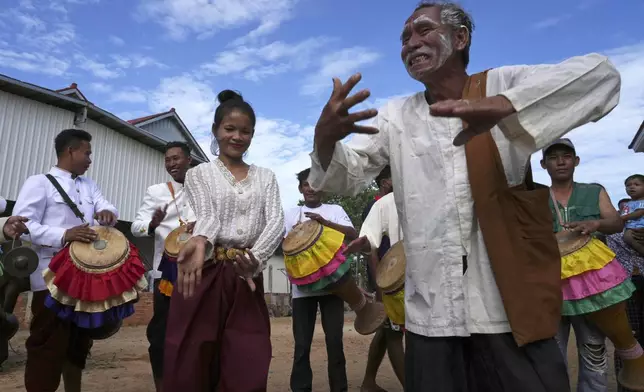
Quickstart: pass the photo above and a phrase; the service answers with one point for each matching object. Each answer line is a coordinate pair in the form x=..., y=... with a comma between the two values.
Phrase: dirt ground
x=121, y=363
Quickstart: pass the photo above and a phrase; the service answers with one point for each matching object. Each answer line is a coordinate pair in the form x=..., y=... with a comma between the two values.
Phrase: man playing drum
x=55, y=347
x=165, y=207
x=380, y=226
x=589, y=271
x=463, y=297
x=305, y=305
x=389, y=337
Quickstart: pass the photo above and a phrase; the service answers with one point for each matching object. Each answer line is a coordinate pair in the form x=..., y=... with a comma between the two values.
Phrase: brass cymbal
x=20, y=262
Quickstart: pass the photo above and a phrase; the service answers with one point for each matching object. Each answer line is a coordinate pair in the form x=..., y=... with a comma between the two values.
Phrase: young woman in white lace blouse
x=218, y=335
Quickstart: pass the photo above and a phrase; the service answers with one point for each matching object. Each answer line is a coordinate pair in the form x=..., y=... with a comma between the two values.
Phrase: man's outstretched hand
x=336, y=123
x=481, y=115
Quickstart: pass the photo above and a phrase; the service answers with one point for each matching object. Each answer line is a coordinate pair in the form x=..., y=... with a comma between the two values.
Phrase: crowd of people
x=489, y=294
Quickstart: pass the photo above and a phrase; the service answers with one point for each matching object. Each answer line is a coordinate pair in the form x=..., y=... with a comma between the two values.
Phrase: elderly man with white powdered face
x=483, y=296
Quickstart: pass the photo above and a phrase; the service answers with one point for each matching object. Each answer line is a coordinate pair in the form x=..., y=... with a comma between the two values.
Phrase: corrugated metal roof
x=95, y=113
x=637, y=144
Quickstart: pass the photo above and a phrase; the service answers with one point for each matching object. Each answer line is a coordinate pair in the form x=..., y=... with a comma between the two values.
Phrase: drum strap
x=556, y=204
x=171, y=189
x=66, y=197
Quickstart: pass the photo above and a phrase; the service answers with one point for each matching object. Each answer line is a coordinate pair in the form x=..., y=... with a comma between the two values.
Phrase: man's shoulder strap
x=476, y=88
x=66, y=197
x=171, y=188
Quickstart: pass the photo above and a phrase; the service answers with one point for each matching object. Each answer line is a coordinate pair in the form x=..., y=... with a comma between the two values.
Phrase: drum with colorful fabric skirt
x=315, y=261
x=596, y=285
x=390, y=278
x=95, y=285
x=168, y=265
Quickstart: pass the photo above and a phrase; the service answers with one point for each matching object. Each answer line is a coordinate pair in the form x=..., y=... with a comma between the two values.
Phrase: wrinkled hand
x=481, y=115
x=335, y=122
x=105, y=218
x=190, y=227
x=360, y=244
x=190, y=263
x=14, y=227
x=246, y=266
x=158, y=217
x=585, y=227
x=81, y=233
x=316, y=217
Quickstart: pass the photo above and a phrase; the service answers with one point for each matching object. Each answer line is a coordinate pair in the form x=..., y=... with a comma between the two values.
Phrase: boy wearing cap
x=585, y=208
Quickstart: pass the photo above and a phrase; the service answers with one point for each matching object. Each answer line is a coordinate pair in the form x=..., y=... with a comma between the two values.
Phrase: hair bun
x=229, y=95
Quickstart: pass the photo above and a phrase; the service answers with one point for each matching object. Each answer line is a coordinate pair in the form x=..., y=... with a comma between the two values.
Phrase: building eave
x=637, y=144
x=50, y=97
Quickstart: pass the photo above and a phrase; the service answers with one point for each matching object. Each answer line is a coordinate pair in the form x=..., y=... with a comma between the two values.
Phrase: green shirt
x=583, y=205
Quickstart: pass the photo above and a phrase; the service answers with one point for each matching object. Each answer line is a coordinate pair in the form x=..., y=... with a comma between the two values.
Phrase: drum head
x=571, y=241
x=105, y=254
x=20, y=262
x=390, y=273
x=176, y=240
x=301, y=237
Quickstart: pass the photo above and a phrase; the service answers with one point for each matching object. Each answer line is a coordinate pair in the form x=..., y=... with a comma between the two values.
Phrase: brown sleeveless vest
x=516, y=223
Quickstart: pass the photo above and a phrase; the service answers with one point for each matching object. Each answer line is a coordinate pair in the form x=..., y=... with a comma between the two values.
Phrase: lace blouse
x=240, y=214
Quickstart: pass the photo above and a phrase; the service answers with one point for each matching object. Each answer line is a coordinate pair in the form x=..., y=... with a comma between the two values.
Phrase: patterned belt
x=225, y=254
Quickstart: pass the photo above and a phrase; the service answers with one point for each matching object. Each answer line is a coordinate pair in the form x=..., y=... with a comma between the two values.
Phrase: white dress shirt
x=331, y=212
x=3, y=205
x=49, y=216
x=432, y=188
x=382, y=220
x=2, y=223
x=157, y=196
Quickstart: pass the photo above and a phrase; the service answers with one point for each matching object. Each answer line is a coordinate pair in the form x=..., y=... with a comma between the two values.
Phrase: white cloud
x=117, y=67
x=50, y=39
x=33, y=62
x=100, y=87
x=255, y=63
x=206, y=17
x=118, y=41
x=98, y=69
x=136, y=60
x=338, y=64
x=603, y=146
x=129, y=95
x=551, y=22
x=193, y=100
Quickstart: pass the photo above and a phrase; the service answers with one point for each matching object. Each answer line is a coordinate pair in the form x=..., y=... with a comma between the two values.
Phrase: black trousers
x=304, y=315
x=156, y=330
x=483, y=363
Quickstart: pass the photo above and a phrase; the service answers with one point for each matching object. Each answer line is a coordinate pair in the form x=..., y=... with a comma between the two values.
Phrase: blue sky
x=137, y=57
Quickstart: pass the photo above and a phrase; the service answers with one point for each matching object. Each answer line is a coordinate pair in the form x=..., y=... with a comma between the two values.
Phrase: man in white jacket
x=165, y=207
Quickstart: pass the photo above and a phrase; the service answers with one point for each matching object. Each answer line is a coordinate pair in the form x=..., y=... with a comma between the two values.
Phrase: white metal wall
x=122, y=167
x=275, y=280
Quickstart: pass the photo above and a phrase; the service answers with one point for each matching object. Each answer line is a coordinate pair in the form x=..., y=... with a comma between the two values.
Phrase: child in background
x=633, y=212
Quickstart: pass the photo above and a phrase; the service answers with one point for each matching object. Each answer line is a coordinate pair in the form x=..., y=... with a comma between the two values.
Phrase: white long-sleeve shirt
x=432, y=189
x=158, y=196
x=49, y=216
x=382, y=220
x=237, y=214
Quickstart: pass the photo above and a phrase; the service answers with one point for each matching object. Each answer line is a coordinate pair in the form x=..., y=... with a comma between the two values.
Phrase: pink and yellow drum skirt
x=320, y=265
x=592, y=280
